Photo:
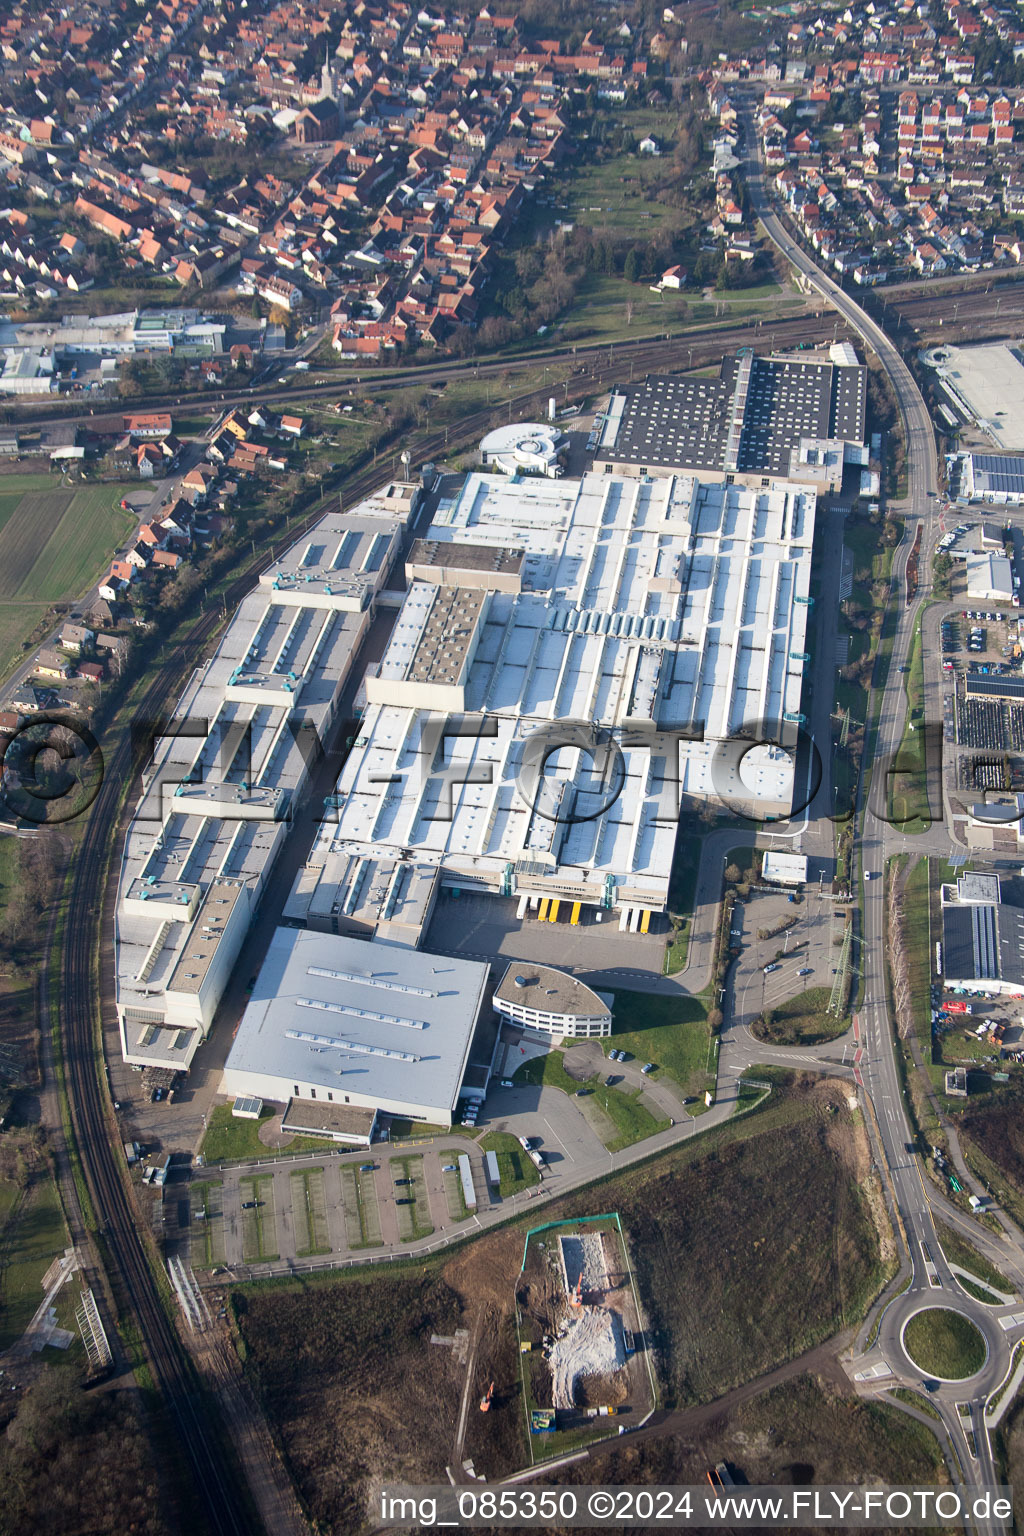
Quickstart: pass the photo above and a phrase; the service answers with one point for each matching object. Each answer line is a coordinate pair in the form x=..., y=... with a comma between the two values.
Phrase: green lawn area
x=613, y=195
x=944, y=1343
x=31, y=1237
x=802, y=1020
x=907, y=789
x=414, y=1130
x=18, y=621
x=229, y=1139
x=548, y=1070
x=309, y=1212
x=455, y=1195
x=516, y=1170
x=192, y=426
x=670, y=1031
x=359, y=1202
x=598, y=312
x=413, y=1219
x=682, y=886
x=917, y=932
x=259, y=1225
x=628, y=1113
x=208, y=1227
x=56, y=539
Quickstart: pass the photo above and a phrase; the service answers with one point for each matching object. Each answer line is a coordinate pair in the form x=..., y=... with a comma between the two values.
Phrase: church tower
x=330, y=86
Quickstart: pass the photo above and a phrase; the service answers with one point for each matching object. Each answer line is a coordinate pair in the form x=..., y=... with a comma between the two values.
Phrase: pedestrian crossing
x=846, y=576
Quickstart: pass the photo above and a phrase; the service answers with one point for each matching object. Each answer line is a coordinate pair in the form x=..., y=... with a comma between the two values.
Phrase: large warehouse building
x=356, y=1028
x=982, y=937
x=669, y=612
x=794, y=415
x=217, y=797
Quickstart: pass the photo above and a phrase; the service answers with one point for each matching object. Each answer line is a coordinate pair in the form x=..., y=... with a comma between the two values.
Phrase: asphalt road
x=878, y=1075
x=877, y=1071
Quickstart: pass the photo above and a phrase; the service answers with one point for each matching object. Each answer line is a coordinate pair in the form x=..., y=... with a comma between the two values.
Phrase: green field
x=32, y=1234
x=54, y=541
x=207, y=1247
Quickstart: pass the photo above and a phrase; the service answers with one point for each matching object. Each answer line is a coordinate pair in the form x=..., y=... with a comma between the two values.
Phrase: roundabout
x=944, y=1344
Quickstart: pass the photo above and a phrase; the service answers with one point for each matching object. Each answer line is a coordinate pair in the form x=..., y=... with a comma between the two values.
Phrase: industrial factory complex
x=571, y=661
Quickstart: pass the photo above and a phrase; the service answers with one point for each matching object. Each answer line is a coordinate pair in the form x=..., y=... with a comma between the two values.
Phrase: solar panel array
x=683, y=422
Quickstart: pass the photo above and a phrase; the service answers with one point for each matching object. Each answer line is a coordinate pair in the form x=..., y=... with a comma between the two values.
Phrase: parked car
x=506, y=1082
x=769, y=968
x=648, y=1066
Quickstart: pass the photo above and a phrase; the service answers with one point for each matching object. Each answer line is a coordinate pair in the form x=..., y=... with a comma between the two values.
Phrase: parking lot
x=295, y=1210
x=301, y=1209
x=802, y=957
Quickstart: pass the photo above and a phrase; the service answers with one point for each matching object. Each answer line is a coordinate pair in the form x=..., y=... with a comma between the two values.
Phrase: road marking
x=558, y=1138
x=874, y=1372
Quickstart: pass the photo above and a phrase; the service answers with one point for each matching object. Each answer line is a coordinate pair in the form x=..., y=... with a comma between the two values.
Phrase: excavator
x=485, y=1401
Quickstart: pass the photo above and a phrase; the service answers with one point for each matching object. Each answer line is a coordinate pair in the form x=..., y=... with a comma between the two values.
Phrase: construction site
x=581, y=1340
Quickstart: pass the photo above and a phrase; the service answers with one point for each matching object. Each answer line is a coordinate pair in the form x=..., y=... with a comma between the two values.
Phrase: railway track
x=917, y=308
x=173, y=1370
x=130, y=1267
x=645, y=353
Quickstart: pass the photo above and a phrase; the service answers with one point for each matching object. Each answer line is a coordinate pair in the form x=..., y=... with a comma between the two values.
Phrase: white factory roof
x=986, y=382
x=386, y=1024
x=784, y=868
x=523, y=445
x=216, y=797
x=989, y=577
x=646, y=605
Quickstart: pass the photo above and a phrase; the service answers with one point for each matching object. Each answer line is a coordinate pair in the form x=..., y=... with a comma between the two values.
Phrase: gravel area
x=584, y=1256
x=591, y=1346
